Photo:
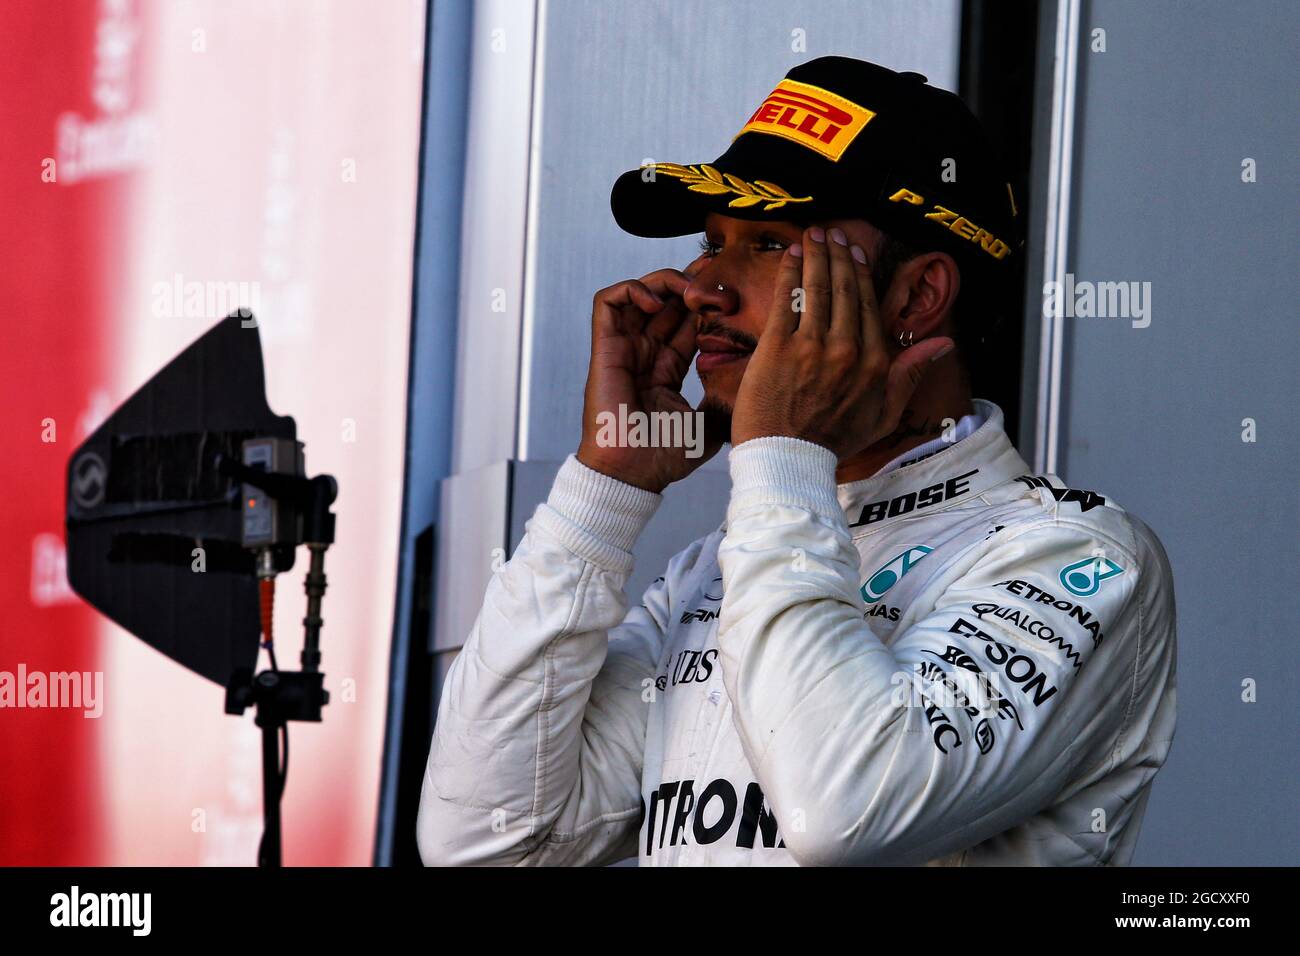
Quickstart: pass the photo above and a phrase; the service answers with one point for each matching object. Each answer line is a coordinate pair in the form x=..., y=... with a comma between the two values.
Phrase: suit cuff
x=780, y=470
x=597, y=517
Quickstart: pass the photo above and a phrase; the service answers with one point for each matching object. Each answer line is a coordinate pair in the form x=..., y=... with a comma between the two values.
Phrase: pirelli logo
x=809, y=116
x=957, y=224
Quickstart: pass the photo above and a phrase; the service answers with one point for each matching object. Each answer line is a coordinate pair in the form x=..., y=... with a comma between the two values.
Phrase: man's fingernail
x=941, y=353
x=796, y=250
x=838, y=237
x=817, y=234
x=858, y=255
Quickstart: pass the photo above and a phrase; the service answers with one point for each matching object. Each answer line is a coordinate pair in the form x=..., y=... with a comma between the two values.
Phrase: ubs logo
x=693, y=667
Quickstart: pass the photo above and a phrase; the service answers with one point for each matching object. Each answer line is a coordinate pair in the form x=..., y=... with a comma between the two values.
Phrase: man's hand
x=824, y=374
x=642, y=343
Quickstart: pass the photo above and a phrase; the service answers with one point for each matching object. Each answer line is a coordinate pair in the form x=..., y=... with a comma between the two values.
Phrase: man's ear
x=922, y=295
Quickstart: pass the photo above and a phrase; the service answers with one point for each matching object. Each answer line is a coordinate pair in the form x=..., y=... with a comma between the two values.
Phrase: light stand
x=281, y=696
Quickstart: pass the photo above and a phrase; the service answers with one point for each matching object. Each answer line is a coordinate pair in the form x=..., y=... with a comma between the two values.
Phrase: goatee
x=717, y=420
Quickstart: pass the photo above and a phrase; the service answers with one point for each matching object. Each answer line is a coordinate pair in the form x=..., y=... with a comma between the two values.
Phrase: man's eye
x=709, y=248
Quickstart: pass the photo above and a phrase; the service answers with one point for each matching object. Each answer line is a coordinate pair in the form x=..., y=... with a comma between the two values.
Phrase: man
x=901, y=647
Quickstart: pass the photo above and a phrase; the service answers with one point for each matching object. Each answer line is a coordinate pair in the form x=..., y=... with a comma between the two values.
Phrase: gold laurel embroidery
x=705, y=179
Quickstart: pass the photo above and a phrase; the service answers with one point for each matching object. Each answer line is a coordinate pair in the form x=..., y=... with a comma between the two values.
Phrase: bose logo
x=915, y=500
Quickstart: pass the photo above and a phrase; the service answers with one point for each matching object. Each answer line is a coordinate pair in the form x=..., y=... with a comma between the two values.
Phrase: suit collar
x=957, y=473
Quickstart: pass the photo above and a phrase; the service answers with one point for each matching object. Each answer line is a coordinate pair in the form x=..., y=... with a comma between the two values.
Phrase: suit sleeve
x=973, y=719
x=537, y=748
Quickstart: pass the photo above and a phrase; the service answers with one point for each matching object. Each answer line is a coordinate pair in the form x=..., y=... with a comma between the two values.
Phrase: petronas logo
x=889, y=575
x=1085, y=577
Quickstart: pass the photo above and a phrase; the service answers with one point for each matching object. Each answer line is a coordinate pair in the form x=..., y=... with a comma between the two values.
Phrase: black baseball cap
x=844, y=138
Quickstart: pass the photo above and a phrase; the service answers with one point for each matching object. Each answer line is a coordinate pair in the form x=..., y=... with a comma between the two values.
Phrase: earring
x=910, y=336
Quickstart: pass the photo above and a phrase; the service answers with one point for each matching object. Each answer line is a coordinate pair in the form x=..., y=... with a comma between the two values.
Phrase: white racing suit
x=954, y=662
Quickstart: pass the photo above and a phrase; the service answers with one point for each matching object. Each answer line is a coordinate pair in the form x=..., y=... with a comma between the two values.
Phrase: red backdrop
x=273, y=145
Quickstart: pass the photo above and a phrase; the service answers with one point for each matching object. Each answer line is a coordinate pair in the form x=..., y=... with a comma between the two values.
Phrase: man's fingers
x=683, y=338
x=666, y=282
x=905, y=374
x=873, y=335
x=667, y=321
x=650, y=295
x=679, y=352
x=815, y=318
x=782, y=320
x=845, y=321
x=669, y=285
x=609, y=304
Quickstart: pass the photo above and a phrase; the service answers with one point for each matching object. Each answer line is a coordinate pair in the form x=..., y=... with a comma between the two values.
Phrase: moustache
x=742, y=340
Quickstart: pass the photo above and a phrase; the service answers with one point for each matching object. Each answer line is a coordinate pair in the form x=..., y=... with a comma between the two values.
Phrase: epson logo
x=915, y=500
x=1020, y=668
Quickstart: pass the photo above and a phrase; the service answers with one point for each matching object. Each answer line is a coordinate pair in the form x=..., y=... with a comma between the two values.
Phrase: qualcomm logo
x=888, y=576
x=1085, y=577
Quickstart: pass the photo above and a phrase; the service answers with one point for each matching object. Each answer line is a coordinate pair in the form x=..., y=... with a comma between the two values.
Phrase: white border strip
x=523, y=409
x=1057, y=231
